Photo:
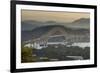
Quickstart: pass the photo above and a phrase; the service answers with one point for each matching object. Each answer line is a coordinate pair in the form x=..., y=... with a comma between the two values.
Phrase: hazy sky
x=52, y=16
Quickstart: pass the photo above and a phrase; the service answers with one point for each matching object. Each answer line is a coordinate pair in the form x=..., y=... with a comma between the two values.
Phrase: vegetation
x=62, y=52
x=26, y=55
x=52, y=52
x=86, y=53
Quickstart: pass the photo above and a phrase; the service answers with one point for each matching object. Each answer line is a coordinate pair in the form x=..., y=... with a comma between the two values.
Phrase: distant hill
x=82, y=20
x=37, y=32
x=33, y=29
x=80, y=23
x=32, y=24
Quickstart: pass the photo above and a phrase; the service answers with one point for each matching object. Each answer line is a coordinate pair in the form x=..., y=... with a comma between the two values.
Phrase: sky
x=45, y=16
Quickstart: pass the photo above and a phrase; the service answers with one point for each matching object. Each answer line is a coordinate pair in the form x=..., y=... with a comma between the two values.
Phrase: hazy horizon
x=44, y=16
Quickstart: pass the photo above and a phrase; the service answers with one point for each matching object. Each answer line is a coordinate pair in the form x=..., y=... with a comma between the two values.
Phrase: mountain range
x=80, y=23
x=39, y=31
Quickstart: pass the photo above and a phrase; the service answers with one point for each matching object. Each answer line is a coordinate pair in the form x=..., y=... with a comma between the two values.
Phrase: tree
x=26, y=54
